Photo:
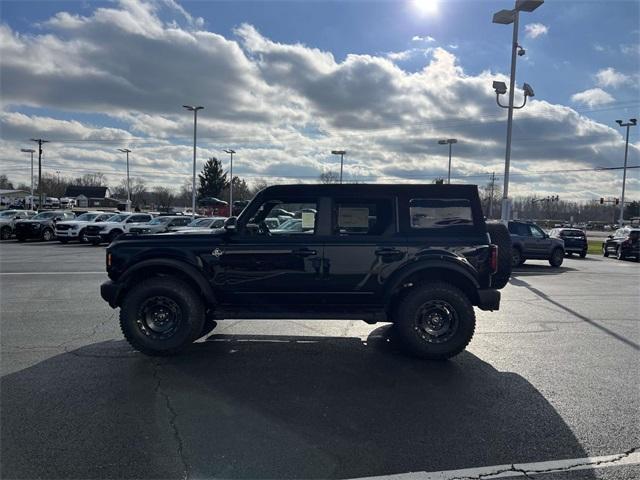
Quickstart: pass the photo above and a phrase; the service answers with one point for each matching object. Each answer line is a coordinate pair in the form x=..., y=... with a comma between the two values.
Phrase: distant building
x=91, y=197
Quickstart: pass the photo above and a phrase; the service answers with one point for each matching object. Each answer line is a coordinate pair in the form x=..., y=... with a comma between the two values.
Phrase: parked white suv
x=75, y=229
x=108, y=231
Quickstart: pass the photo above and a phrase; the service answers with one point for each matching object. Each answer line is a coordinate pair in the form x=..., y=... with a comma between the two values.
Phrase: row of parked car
x=98, y=227
x=529, y=241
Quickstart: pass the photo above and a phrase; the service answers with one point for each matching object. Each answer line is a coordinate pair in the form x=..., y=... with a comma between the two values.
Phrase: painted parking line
x=522, y=469
x=52, y=273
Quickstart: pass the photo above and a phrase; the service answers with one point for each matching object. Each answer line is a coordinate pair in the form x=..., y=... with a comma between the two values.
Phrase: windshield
x=45, y=215
x=160, y=221
x=199, y=222
x=86, y=217
x=118, y=218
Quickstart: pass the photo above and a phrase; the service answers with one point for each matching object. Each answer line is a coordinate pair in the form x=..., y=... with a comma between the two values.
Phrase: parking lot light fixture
x=127, y=151
x=342, y=154
x=194, y=109
x=449, y=141
x=507, y=17
x=631, y=123
x=230, y=151
x=31, y=151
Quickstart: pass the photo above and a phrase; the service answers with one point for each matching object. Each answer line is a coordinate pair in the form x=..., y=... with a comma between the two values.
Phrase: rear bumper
x=575, y=248
x=488, y=299
x=110, y=293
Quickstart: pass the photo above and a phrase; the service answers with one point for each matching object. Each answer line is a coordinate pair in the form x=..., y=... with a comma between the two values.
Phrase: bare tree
x=329, y=177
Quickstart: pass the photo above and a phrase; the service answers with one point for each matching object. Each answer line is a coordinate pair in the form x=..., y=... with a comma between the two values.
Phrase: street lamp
x=449, y=141
x=194, y=109
x=127, y=151
x=631, y=123
x=230, y=151
x=31, y=151
x=507, y=17
x=342, y=154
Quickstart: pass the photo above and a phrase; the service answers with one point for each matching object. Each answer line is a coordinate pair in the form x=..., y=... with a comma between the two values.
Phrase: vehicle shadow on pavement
x=540, y=269
x=521, y=283
x=245, y=406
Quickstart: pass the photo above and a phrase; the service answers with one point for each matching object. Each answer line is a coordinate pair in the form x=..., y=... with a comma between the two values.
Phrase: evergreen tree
x=213, y=180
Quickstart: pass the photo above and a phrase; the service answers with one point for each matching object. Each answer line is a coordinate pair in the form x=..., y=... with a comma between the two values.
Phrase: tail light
x=493, y=258
x=108, y=260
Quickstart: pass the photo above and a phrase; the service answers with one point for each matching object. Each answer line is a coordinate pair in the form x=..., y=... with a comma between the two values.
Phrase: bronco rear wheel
x=161, y=316
x=435, y=321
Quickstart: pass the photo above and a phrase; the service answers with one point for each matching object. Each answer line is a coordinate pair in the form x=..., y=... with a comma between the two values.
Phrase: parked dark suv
x=530, y=242
x=623, y=243
x=42, y=226
x=575, y=240
x=419, y=256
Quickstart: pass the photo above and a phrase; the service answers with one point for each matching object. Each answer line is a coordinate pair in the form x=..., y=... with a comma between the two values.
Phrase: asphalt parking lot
x=552, y=376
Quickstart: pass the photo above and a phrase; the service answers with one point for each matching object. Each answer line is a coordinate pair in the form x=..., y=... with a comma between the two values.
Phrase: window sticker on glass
x=308, y=220
x=353, y=217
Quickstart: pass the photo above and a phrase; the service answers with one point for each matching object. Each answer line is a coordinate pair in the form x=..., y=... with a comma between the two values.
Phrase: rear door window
x=362, y=217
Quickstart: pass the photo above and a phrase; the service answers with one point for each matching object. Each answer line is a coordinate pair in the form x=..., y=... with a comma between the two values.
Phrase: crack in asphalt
x=568, y=468
x=172, y=418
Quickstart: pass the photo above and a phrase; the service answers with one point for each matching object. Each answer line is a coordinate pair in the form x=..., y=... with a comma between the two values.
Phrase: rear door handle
x=304, y=252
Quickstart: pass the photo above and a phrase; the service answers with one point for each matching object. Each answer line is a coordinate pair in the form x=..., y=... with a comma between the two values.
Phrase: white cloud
x=425, y=38
x=598, y=48
x=630, y=49
x=453, y=46
x=281, y=106
x=409, y=54
x=534, y=30
x=610, y=77
x=592, y=97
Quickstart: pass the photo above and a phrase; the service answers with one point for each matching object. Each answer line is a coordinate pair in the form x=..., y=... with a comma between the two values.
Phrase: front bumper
x=110, y=292
x=67, y=233
x=488, y=299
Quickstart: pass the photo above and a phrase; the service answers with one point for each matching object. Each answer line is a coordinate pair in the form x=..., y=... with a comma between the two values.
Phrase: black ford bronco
x=419, y=256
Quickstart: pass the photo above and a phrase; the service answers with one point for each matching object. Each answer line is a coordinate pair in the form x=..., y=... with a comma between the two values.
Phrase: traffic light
x=601, y=201
x=617, y=201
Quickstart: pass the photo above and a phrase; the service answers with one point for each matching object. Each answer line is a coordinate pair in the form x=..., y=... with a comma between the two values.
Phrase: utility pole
x=194, y=109
x=449, y=141
x=230, y=151
x=493, y=181
x=31, y=151
x=631, y=123
x=127, y=151
x=40, y=141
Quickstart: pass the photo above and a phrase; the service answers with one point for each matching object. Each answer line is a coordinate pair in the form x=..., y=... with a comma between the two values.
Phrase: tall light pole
x=631, y=123
x=449, y=141
x=342, y=154
x=506, y=17
x=230, y=151
x=31, y=151
x=40, y=141
x=194, y=109
x=127, y=151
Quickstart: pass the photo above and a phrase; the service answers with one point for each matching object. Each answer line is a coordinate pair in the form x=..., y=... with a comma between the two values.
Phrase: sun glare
x=426, y=7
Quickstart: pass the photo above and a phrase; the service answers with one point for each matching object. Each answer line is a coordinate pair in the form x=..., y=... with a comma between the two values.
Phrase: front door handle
x=304, y=252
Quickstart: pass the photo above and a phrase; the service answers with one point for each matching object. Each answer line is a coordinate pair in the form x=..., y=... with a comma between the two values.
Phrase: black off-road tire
x=410, y=322
x=5, y=233
x=499, y=235
x=556, y=258
x=583, y=254
x=605, y=252
x=189, y=319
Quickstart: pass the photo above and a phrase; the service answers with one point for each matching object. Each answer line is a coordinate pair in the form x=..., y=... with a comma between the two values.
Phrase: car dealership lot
x=553, y=375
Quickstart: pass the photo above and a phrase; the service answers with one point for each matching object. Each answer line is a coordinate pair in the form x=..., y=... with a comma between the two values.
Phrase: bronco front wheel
x=161, y=316
x=435, y=321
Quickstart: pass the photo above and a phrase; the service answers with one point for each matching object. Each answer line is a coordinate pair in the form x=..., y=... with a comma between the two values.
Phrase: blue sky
x=580, y=55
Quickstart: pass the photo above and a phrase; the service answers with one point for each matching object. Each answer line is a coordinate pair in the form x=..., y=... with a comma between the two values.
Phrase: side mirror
x=230, y=223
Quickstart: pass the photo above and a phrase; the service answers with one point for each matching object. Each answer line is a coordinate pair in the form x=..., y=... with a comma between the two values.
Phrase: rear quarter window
x=442, y=216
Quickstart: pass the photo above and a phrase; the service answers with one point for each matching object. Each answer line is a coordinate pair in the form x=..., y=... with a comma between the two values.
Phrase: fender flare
x=183, y=266
x=430, y=262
